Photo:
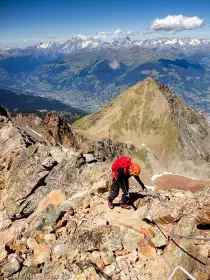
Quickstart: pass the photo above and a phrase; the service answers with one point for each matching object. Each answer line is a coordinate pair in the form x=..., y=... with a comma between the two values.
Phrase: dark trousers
x=115, y=188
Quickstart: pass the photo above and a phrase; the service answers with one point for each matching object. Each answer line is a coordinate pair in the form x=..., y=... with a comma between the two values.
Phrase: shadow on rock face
x=134, y=197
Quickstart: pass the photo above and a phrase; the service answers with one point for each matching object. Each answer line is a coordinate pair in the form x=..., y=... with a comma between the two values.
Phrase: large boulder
x=203, y=215
x=182, y=252
x=11, y=267
x=27, y=173
x=47, y=212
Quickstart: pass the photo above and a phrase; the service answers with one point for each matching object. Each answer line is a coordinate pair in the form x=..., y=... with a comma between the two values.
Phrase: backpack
x=123, y=162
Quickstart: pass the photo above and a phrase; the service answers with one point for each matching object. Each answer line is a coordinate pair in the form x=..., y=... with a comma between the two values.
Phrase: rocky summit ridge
x=54, y=219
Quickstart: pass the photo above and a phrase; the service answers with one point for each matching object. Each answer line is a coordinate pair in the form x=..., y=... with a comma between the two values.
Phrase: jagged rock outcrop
x=108, y=149
x=52, y=128
x=12, y=140
x=26, y=175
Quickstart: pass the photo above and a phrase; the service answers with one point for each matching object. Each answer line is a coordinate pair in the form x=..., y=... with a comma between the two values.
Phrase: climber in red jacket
x=122, y=169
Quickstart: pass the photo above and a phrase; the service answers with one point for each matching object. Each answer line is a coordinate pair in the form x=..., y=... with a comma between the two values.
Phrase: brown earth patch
x=168, y=181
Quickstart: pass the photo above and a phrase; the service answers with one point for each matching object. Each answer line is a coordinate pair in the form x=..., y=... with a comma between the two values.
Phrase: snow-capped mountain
x=79, y=42
x=120, y=43
x=181, y=43
x=49, y=45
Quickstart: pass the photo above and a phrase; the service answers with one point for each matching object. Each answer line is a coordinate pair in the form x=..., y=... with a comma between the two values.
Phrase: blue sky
x=27, y=22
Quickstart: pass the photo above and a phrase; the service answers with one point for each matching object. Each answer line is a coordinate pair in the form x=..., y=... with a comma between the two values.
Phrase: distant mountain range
x=80, y=42
x=87, y=72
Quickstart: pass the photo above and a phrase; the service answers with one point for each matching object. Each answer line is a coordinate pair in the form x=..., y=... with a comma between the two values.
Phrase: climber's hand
x=145, y=189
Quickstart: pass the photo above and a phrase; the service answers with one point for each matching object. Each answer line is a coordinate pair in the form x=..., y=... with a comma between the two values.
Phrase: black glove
x=144, y=188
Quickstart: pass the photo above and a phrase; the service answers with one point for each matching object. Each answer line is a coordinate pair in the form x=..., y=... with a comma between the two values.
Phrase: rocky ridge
x=54, y=219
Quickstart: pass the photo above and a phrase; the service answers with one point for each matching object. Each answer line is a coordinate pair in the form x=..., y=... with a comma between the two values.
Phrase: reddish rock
x=122, y=252
x=100, y=264
x=53, y=127
x=116, y=277
x=55, y=198
x=146, y=248
x=100, y=229
x=167, y=219
x=46, y=237
x=147, y=232
x=41, y=254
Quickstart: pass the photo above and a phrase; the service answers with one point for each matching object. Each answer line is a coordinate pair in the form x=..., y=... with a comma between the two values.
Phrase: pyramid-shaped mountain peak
x=149, y=115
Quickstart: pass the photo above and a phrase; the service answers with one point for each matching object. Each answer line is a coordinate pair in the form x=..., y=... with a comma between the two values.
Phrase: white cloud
x=100, y=37
x=176, y=23
x=117, y=32
x=130, y=33
x=102, y=33
x=114, y=64
x=111, y=33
